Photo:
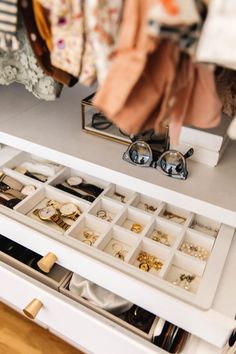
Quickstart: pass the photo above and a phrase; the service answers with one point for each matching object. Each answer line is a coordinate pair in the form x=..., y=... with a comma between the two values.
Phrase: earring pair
x=184, y=281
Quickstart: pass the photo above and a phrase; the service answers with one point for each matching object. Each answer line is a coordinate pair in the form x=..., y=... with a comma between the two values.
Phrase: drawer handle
x=32, y=309
x=47, y=262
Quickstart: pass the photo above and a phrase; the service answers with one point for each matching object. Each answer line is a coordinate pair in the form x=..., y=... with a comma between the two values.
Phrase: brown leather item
x=11, y=182
x=13, y=193
x=39, y=46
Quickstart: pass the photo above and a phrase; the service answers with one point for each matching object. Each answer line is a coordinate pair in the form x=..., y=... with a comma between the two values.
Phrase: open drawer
x=72, y=320
x=122, y=273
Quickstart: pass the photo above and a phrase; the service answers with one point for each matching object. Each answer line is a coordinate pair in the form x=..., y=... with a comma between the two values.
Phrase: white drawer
x=73, y=321
x=214, y=325
x=80, y=326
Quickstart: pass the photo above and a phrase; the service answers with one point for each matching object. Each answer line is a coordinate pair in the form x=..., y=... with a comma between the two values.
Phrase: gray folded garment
x=98, y=296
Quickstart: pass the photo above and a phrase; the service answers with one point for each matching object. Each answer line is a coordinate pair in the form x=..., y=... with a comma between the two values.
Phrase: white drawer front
x=80, y=325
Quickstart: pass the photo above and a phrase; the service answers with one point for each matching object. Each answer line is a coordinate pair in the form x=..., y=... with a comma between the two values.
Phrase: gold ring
x=137, y=228
x=88, y=233
x=101, y=214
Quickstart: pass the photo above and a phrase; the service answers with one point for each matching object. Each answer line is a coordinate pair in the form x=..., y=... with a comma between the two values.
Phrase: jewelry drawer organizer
x=129, y=243
x=164, y=246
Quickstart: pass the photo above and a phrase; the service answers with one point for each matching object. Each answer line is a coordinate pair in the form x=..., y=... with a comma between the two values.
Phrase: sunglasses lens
x=140, y=153
x=172, y=163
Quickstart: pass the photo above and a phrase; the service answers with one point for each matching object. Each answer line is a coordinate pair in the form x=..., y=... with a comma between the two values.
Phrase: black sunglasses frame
x=155, y=159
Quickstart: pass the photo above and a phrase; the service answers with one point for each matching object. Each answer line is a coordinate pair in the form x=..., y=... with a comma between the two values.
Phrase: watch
x=49, y=213
x=36, y=176
x=77, y=182
x=10, y=182
x=70, y=210
x=28, y=189
x=74, y=181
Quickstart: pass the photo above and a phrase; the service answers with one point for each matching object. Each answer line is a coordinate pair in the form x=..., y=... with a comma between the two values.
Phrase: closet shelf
x=54, y=129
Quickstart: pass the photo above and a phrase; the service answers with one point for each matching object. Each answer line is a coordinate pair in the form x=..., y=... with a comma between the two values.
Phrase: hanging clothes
x=217, y=42
x=66, y=19
x=226, y=88
x=41, y=17
x=38, y=44
x=88, y=74
x=134, y=46
x=196, y=101
x=183, y=26
x=103, y=19
x=150, y=96
x=21, y=66
x=70, y=41
x=155, y=83
x=8, y=25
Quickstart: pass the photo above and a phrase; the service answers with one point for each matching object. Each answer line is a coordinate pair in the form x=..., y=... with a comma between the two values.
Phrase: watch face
x=47, y=212
x=68, y=209
x=28, y=190
x=74, y=180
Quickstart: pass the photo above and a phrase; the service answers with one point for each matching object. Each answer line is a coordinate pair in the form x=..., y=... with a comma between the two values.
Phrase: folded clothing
x=46, y=169
x=98, y=296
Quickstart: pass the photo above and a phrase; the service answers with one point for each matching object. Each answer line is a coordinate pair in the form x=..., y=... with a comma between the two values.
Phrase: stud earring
x=179, y=280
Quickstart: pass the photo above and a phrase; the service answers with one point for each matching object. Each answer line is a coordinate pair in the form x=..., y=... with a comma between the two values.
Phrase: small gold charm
x=137, y=228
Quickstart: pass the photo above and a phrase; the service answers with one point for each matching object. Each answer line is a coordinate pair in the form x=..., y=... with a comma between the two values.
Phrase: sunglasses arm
x=189, y=153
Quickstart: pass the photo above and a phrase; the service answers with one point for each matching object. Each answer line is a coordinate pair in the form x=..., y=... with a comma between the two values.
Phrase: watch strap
x=90, y=198
x=6, y=196
x=68, y=190
x=14, y=193
x=89, y=188
x=36, y=176
x=12, y=202
x=36, y=212
x=56, y=218
x=11, y=182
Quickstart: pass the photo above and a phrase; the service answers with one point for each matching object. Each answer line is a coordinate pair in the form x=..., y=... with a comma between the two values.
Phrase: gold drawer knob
x=47, y=262
x=32, y=309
